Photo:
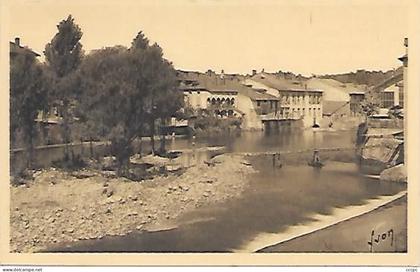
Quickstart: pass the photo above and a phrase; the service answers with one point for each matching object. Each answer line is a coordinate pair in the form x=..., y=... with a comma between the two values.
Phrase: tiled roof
x=213, y=83
x=357, y=92
x=403, y=58
x=282, y=84
x=333, y=90
x=14, y=47
x=191, y=88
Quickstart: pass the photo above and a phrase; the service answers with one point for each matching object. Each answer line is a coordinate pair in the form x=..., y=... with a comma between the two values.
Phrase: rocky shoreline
x=60, y=207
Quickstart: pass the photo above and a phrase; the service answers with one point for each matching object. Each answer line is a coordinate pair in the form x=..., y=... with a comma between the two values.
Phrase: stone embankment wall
x=381, y=149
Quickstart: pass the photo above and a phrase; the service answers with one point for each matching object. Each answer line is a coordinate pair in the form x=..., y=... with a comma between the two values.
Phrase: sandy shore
x=58, y=207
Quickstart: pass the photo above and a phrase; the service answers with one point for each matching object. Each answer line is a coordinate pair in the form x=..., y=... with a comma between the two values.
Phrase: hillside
x=363, y=77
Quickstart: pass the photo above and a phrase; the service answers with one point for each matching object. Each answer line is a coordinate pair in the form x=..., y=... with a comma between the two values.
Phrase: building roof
x=16, y=47
x=357, y=93
x=192, y=88
x=282, y=84
x=259, y=87
x=255, y=94
x=333, y=89
x=214, y=84
x=403, y=58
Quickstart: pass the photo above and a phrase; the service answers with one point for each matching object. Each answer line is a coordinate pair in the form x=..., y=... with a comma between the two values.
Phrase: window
x=387, y=99
x=401, y=96
x=258, y=103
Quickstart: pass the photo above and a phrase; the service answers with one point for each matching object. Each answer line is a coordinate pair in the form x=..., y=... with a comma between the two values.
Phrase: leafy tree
x=63, y=55
x=369, y=107
x=163, y=98
x=27, y=97
x=125, y=90
x=371, y=104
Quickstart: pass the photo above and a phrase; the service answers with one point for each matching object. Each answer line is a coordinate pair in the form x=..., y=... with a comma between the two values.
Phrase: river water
x=275, y=199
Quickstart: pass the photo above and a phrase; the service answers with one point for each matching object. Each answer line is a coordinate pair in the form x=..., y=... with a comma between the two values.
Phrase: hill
x=363, y=77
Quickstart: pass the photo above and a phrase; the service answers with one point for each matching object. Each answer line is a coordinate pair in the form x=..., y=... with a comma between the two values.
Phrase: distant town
x=266, y=100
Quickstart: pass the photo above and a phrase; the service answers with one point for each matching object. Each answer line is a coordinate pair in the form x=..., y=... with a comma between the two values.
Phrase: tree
x=125, y=89
x=163, y=99
x=369, y=108
x=27, y=97
x=63, y=55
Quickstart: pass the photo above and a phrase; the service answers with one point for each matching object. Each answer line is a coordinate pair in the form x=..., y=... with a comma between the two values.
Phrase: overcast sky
x=314, y=36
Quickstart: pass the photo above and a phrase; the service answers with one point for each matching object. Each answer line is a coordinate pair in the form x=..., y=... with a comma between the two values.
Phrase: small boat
x=316, y=164
x=316, y=161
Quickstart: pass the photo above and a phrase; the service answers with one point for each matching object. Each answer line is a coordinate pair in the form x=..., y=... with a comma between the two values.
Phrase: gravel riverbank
x=59, y=207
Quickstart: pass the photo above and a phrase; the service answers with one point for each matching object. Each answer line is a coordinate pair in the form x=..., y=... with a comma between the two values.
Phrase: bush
x=212, y=125
x=70, y=163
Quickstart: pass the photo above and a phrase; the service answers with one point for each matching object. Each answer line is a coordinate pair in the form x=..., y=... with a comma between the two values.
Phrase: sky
x=302, y=36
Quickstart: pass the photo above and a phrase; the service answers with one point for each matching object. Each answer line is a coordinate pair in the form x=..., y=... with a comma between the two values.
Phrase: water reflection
x=284, y=139
x=248, y=141
x=275, y=199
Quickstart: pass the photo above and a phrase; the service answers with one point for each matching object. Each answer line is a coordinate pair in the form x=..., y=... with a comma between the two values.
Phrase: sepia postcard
x=210, y=132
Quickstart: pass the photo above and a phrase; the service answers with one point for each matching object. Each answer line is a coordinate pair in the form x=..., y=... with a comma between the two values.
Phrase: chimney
x=254, y=72
x=222, y=76
x=17, y=41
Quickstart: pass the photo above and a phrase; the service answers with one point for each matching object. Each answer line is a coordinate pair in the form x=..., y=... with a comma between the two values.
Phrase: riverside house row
x=263, y=99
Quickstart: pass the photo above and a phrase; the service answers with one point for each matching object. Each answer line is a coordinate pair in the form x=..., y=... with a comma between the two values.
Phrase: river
x=276, y=198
